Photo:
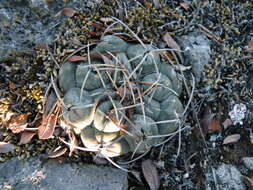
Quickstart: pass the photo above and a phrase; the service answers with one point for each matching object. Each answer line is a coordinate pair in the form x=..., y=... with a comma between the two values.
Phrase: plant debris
x=231, y=139
x=151, y=174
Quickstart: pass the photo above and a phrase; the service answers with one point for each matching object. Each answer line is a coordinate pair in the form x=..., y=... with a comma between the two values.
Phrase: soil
x=216, y=39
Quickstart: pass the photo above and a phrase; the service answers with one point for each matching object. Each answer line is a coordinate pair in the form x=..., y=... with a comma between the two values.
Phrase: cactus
x=115, y=107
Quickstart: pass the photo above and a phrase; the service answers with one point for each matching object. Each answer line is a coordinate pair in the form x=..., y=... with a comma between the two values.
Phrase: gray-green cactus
x=117, y=108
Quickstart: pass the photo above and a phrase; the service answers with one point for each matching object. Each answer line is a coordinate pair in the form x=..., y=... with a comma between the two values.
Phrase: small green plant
x=123, y=98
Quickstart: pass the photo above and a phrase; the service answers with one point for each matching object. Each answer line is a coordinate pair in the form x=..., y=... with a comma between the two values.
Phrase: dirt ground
x=216, y=38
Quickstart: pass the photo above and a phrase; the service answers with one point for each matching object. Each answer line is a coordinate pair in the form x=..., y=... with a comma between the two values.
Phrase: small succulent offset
x=124, y=99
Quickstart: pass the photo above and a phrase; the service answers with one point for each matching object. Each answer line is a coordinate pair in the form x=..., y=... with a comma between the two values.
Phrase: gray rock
x=227, y=177
x=25, y=23
x=248, y=162
x=197, y=52
x=33, y=175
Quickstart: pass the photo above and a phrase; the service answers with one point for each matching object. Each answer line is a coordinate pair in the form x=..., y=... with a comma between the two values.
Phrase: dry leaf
x=227, y=123
x=75, y=58
x=148, y=4
x=206, y=118
x=249, y=182
x=170, y=41
x=157, y=3
x=46, y=129
x=12, y=86
x=151, y=174
x=26, y=137
x=214, y=126
x=6, y=147
x=182, y=67
x=58, y=152
x=40, y=46
x=250, y=45
x=106, y=19
x=73, y=144
x=185, y=5
x=75, y=41
x=66, y=12
x=50, y=103
x=231, y=139
x=18, y=123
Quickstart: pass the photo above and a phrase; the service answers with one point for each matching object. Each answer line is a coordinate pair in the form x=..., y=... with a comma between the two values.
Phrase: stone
x=248, y=162
x=33, y=174
x=197, y=52
x=228, y=177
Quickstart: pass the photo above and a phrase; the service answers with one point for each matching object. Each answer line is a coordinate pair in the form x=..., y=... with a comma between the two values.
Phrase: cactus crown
x=122, y=99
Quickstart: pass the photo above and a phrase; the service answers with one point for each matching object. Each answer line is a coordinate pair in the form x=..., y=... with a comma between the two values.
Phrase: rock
x=248, y=162
x=197, y=52
x=25, y=23
x=35, y=175
x=228, y=177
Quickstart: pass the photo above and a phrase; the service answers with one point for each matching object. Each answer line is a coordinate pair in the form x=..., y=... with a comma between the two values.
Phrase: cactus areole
x=123, y=100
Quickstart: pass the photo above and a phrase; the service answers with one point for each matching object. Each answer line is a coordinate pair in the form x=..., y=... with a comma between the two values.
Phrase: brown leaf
x=206, y=118
x=157, y=3
x=58, y=152
x=214, y=126
x=50, y=103
x=76, y=58
x=151, y=174
x=249, y=182
x=26, y=137
x=227, y=123
x=106, y=19
x=40, y=46
x=148, y=4
x=250, y=45
x=46, y=129
x=66, y=12
x=231, y=139
x=170, y=41
x=18, y=123
x=73, y=144
x=185, y=5
x=6, y=147
x=12, y=86
x=75, y=41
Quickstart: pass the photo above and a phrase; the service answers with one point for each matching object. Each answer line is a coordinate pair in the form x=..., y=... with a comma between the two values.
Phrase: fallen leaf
x=106, y=19
x=148, y=4
x=73, y=144
x=41, y=46
x=6, y=147
x=46, y=129
x=249, y=182
x=185, y=5
x=227, y=123
x=59, y=151
x=26, y=137
x=50, y=103
x=231, y=139
x=250, y=45
x=157, y=3
x=76, y=58
x=170, y=41
x=75, y=41
x=18, y=123
x=66, y=12
x=214, y=126
x=206, y=118
x=182, y=67
x=12, y=86
x=151, y=174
